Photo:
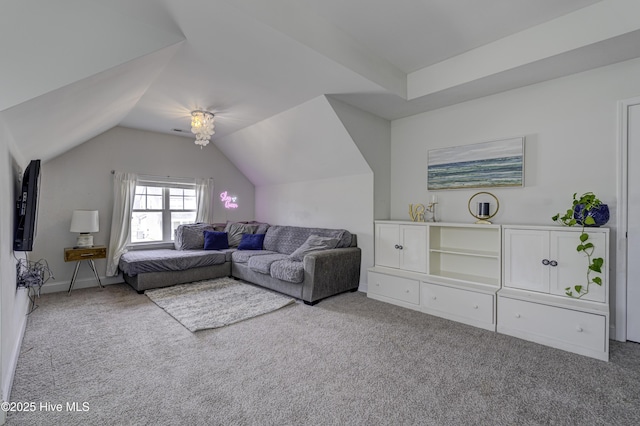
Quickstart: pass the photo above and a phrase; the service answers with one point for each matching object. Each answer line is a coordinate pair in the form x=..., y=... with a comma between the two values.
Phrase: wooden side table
x=78, y=254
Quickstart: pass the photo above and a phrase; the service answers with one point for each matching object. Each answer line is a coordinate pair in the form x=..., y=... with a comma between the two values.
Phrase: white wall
x=13, y=302
x=570, y=125
x=81, y=179
x=372, y=136
x=344, y=202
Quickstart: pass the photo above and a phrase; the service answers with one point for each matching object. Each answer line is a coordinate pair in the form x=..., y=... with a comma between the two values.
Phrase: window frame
x=166, y=185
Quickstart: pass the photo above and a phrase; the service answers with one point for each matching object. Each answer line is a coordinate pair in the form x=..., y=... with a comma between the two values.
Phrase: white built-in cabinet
x=539, y=264
x=509, y=279
x=402, y=246
x=448, y=270
x=546, y=260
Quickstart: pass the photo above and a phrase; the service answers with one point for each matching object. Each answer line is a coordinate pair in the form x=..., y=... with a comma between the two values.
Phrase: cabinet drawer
x=548, y=324
x=398, y=288
x=477, y=307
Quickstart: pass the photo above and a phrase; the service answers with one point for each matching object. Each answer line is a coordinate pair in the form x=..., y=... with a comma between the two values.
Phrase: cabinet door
x=413, y=251
x=387, y=238
x=572, y=265
x=524, y=252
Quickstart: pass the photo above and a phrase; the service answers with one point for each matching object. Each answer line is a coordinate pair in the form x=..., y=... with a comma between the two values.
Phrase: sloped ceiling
x=73, y=69
x=57, y=121
x=46, y=45
x=278, y=150
x=83, y=66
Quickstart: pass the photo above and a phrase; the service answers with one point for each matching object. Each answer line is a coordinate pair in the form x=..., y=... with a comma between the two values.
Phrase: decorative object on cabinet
x=416, y=213
x=538, y=262
x=483, y=208
x=587, y=211
x=482, y=165
x=597, y=213
x=431, y=208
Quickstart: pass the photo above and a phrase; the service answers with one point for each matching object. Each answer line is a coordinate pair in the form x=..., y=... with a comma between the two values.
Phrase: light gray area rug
x=216, y=303
x=348, y=360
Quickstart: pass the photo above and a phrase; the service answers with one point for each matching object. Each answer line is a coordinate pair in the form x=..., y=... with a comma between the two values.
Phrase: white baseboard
x=58, y=286
x=14, y=354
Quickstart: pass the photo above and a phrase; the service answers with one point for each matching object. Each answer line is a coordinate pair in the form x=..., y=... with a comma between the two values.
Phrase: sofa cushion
x=251, y=242
x=263, y=263
x=237, y=230
x=243, y=256
x=262, y=227
x=313, y=243
x=139, y=261
x=286, y=239
x=214, y=240
x=191, y=236
x=228, y=253
x=288, y=270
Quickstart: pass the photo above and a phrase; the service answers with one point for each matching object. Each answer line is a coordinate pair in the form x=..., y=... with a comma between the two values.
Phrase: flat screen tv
x=26, y=216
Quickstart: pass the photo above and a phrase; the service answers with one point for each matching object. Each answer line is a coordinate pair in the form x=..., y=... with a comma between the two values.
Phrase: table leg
x=73, y=278
x=93, y=268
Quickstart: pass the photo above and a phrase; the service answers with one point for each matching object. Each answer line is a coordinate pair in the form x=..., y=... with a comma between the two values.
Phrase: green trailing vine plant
x=587, y=201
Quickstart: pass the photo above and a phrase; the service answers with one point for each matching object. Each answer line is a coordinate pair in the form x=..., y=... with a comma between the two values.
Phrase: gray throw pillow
x=236, y=230
x=191, y=236
x=313, y=243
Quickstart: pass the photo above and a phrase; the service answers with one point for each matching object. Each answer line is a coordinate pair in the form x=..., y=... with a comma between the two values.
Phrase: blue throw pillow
x=214, y=240
x=251, y=242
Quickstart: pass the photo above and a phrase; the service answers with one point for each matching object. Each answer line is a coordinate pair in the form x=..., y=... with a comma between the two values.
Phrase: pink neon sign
x=229, y=201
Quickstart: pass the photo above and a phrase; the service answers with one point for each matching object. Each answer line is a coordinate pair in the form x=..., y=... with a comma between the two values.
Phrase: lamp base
x=84, y=240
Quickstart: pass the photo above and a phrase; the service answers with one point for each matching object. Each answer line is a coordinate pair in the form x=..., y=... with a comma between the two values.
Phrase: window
x=159, y=208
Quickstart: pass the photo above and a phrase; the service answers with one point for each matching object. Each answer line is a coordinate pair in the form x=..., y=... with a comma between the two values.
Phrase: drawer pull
x=434, y=297
x=407, y=291
x=553, y=263
x=86, y=254
x=475, y=306
x=579, y=329
x=396, y=246
x=377, y=284
x=517, y=315
x=545, y=262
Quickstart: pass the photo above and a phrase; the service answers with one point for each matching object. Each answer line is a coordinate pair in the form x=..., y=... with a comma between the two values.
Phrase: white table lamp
x=85, y=222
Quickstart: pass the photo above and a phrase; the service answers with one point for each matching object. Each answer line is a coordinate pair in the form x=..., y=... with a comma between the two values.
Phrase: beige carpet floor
x=349, y=360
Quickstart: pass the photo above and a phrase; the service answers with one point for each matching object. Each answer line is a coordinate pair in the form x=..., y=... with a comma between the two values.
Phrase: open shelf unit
x=465, y=252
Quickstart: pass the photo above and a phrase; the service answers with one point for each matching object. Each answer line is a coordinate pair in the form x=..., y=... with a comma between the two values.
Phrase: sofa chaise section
x=146, y=269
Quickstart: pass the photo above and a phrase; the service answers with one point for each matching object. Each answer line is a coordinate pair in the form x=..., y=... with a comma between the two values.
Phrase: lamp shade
x=85, y=221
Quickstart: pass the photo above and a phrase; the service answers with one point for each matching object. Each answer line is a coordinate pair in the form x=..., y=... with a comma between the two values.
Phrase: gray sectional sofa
x=309, y=264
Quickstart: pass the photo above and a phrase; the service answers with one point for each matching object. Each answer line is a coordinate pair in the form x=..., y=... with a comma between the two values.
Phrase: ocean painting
x=482, y=165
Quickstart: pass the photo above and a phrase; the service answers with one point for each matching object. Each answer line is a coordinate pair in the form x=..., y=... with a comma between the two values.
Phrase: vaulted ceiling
x=72, y=69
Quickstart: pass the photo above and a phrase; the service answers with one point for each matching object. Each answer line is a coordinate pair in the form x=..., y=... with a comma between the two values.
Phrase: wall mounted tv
x=26, y=216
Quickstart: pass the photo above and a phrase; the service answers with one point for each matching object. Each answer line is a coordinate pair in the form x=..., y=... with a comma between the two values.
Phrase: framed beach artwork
x=481, y=165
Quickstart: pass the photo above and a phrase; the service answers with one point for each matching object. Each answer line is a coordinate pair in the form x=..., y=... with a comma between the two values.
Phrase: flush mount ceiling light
x=202, y=126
